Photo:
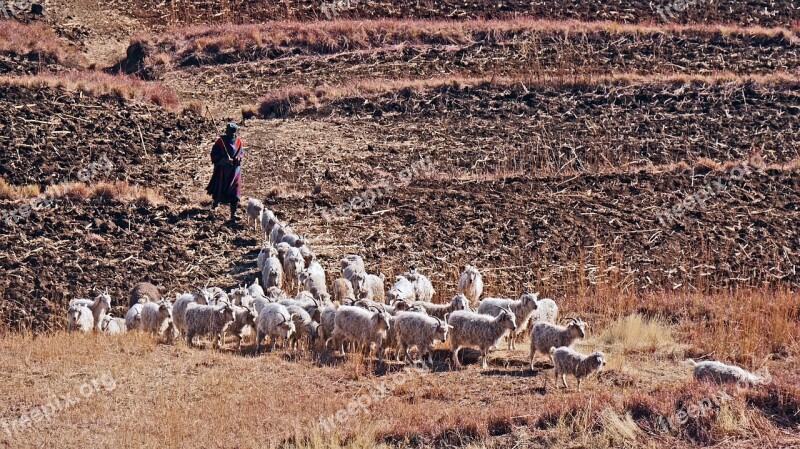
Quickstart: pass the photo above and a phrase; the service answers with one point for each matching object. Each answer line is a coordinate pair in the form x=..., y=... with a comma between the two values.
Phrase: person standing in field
x=226, y=182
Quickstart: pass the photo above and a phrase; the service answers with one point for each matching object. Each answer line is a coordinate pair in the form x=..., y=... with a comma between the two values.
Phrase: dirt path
x=103, y=27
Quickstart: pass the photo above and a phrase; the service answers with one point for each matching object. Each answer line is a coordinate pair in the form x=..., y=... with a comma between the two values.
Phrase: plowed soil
x=232, y=77
x=494, y=128
x=13, y=64
x=548, y=233
x=73, y=246
x=753, y=12
x=70, y=248
x=542, y=47
x=49, y=134
x=478, y=206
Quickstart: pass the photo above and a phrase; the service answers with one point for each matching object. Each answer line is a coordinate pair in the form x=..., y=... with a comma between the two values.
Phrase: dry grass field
x=554, y=139
x=155, y=395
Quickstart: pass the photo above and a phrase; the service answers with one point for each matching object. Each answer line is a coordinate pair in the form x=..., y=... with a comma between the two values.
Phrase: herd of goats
x=357, y=314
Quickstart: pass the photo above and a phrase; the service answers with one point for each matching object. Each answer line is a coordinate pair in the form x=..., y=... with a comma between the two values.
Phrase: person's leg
x=234, y=205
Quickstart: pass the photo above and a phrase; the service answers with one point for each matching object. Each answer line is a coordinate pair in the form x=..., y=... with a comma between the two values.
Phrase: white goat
x=471, y=329
x=272, y=273
x=133, y=319
x=355, y=262
x=308, y=255
x=265, y=253
x=293, y=240
x=423, y=288
x=157, y=318
x=278, y=231
x=207, y=320
x=305, y=327
x=113, y=326
x=523, y=309
x=217, y=296
x=293, y=265
x=568, y=361
x=342, y=289
x=470, y=284
x=268, y=222
x=402, y=290
x=99, y=306
x=280, y=251
x=459, y=302
x=244, y=322
x=361, y=327
x=420, y=330
x=255, y=288
x=274, y=321
x=79, y=318
x=546, y=311
x=327, y=323
x=720, y=373
x=545, y=336
x=393, y=309
x=182, y=302
x=366, y=286
x=313, y=279
x=238, y=295
x=255, y=211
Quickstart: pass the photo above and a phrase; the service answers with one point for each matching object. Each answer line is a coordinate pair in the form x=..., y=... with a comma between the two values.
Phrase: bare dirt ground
x=552, y=186
x=101, y=30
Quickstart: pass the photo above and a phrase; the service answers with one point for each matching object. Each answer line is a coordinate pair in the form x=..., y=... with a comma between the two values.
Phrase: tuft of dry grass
x=249, y=112
x=209, y=43
x=120, y=87
x=743, y=326
x=119, y=191
x=288, y=101
x=193, y=107
x=297, y=99
x=12, y=192
x=285, y=190
x=707, y=164
x=33, y=38
x=76, y=191
x=619, y=430
x=636, y=334
x=751, y=323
